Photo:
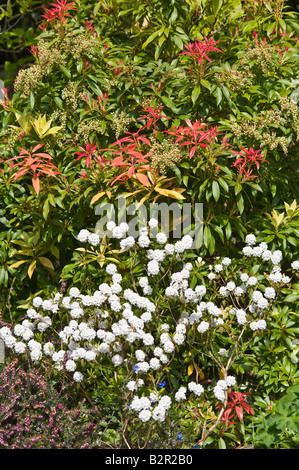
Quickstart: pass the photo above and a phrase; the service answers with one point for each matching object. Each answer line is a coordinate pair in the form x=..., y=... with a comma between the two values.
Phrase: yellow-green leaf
x=46, y=263
x=31, y=268
x=17, y=264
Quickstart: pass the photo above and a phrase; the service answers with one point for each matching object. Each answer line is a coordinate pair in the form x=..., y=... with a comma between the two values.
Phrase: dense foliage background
x=185, y=101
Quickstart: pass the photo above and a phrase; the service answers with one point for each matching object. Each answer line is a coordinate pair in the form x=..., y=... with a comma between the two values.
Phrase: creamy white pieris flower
x=94, y=239
x=239, y=291
x=77, y=312
x=27, y=334
x=161, y=238
x=140, y=355
x=195, y=388
x=47, y=304
x=19, y=347
x=295, y=265
x=194, y=317
x=257, y=251
x=165, y=401
x=219, y=393
x=200, y=290
x=256, y=295
x=181, y=394
x=222, y=352
x=262, y=303
x=155, y=363
x=146, y=317
x=168, y=347
x=230, y=286
x=203, y=327
x=158, y=414
x=261, y=324
x=153, y=268
x=226, y=261
x=49, y=348
x=222, y=384
x=211, y=276
x=103, y=348
x=223, y=291
x=276, y=277
x=19, y=330
x=145, y=415
x=36, y=355
x=33, y=344
x=218, y=268
x=70, y=365
x=74, y=292
x=158, y=351
x=110, y=225
x=143, y=281
x=83, y=235
x=244, y=277
x=37, y=302
x=230, y=381
x=276, y=257
x=164, y=337
x=78, y=377
x=252, y=281
x=32, y=314
x=153, y=223
x=117, y=232
x=132, y=385
x=247, y=251
x=143, y=366
x=241, y=317
x=178, y=338
x=111, y=269
x=169, y=249
x=147, y=290
x=117, y=360
x=285, y=279
x=164, y=359
x=127, y=243
x=250, y=239
x=181, y=328
x=253, y=325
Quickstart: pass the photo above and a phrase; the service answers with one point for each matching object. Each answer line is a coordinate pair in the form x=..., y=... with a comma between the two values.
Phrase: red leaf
x=143, y=179
x=239, y=412
x=36, y=183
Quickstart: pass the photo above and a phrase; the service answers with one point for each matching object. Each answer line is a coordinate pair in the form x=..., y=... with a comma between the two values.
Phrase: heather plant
x=33, y=415
x=156, y=305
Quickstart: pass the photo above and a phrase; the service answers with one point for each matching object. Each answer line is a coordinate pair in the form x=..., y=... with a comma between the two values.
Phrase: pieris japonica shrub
x=163, y=325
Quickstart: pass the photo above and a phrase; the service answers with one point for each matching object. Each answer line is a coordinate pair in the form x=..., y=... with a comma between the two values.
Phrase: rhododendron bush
x=155, y=103
x=157, y=333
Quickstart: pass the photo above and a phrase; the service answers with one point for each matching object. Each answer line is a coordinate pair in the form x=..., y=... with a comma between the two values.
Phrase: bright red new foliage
x=199, y=49
x=247, y=159
x=235, y=406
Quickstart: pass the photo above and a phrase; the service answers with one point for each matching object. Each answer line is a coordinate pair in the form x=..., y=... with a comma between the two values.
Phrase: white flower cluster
x=121, y=317
x=221, y=387
x=154, y=407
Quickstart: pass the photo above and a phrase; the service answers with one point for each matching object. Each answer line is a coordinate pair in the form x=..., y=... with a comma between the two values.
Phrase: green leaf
x=205, y=83
x=221, y=443
x=65, y=71
x=238, y=188
x=240, y=203
x=218, y=95
x=31, y=100
x=195, y=94
x=215, y=190
x=150, y=38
